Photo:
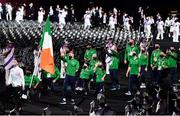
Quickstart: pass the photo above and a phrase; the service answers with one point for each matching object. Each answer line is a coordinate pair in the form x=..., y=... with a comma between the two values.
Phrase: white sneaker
x=175, y=89
x=77, y=88
x=80, y=89
x=128, y=93
x=92, y=80
x=72, y=101
x=63, y=101
x=143, y=85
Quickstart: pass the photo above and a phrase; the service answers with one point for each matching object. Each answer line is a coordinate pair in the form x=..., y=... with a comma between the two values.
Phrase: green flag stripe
x=47, y=28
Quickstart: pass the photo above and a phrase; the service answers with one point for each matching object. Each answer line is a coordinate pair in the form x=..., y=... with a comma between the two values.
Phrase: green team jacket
x=115, y=60
x=155, y=57
x=85, y=73
x=129, y=49
x=134, y=65
x=89, y=53
x=162, y=63
x=27, y=79
x=144, y=59
x=72, y=66
x=100, y=73
x=172, y=59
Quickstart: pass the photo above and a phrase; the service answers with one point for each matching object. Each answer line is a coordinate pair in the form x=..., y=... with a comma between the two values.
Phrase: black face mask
x=84, y=67
x=133, y=54
x=161, y=56
x=156, y=47
x=70, y=57
x=143, y=51
x=100, y=66
x=172, y=50
x=130, y=43
x=94, y=58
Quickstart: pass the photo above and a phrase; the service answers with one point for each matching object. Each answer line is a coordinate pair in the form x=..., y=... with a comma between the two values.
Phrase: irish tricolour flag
x=46, y=58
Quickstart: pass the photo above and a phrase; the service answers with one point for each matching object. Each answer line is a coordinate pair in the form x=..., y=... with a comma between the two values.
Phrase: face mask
x=94, y=58
x=143, y=51
x=100, y=66
x=172, y=50
x=131, y=43
x=134, y=54
x=70, y=57
x=157, y=47
x=84, y=67
x=161, y=56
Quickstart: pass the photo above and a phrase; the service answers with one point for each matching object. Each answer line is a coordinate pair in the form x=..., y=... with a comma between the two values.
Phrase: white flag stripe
x=9, y=66
x=47, y=43
x=9, y=56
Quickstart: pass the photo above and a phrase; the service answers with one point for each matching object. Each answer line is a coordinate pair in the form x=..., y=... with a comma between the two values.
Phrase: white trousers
x=147, y=31
x=160, y=34
x=9, y=16
x=7, y=77
x=176, y=36
x=62, y=76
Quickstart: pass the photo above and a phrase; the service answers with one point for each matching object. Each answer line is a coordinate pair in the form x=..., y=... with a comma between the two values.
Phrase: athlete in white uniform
x=112, y=22
x=167, y=26
x=41, y=14
x=160, y=28
x=147, y=27
x=21, y=13
x=172, y=22
x=104, y=19
x=126, y=22
x=176, y=31
x=87, y=20
x=51, y=11
x=18, y=16
x=62, y=16
x=9, y=11
x=1, y=11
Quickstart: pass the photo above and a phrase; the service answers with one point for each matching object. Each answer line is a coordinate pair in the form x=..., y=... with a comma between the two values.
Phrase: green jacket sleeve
x=116, y=54
x=125, y=54
x=151, y=59
x=77, y=66
x=57, y=73
x=147, y=60
x=86, y=55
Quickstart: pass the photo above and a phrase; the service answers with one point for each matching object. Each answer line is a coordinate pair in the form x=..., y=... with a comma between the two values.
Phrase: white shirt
x=87, y=18
x=1, y=9
x=51, y=12
x=104, y=18
x=160, y=24
x=36, y=56
x=167, y=23
x=176, y=26
x=9, y=8
x=16, y=77
x=147, y=23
